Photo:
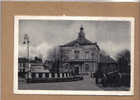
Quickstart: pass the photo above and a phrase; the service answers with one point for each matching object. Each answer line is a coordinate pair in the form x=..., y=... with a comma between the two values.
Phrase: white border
x=70, y=92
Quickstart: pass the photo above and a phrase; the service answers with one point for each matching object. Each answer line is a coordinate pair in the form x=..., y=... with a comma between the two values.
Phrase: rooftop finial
x=81, y=33
x=81, y=28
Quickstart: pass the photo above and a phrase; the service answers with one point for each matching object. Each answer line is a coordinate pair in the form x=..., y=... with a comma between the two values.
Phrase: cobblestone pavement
x=86, y=84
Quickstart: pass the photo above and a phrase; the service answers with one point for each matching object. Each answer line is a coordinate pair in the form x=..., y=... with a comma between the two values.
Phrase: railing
x=38, y=77
x=43, y=75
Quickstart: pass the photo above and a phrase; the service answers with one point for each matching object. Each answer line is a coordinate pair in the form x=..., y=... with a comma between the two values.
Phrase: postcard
x=74, y=55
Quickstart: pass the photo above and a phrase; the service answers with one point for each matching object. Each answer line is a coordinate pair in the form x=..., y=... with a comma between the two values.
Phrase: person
x=105, y=80
x=91, y=75
x=98, y=75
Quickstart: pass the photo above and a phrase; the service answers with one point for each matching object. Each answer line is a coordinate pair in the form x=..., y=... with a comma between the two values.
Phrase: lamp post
x=27, y=42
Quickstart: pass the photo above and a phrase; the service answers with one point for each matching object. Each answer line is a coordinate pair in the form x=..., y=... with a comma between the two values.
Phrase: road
x=86, y=84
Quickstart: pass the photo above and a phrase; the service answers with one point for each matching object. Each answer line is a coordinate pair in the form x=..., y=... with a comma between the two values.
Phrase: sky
x=111, y=36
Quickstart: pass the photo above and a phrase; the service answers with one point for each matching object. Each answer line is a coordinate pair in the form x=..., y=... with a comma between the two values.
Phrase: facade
x=79, y=56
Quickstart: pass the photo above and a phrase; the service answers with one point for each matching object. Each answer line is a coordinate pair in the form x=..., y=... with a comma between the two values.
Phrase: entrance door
x=77, y=70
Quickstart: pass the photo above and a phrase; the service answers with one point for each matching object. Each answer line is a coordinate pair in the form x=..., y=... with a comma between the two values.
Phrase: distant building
x=36, y=60
x=107, y=64
x=38, y=68
x=24, y=64
x=80, y=55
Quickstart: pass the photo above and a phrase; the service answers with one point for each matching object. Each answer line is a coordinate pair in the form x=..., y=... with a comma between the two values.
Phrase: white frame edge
x=70, y=92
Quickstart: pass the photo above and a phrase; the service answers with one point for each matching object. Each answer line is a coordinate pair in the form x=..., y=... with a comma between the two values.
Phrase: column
x=36, y=75
x=60, y=75
x=65, y=75
x=55, y=75
x=50, y=75
x=83, y=68
x=30, y=75
x=43, y=75
x=94, y=67
x=26, y=76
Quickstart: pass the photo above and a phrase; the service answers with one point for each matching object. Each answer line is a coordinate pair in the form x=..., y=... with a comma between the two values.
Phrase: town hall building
x=79, y=56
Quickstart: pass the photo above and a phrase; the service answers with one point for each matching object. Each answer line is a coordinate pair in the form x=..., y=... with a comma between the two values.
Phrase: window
x=66, y=66
x=65, y=57
x=40, y=75
x=92, y=55
x=86, y=67
x=77, y=45
x=86, y=54
x=77, y=52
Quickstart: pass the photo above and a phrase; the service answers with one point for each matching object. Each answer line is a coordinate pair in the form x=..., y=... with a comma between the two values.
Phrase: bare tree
x=123, y=60
x=103, y=54
x=54, y=56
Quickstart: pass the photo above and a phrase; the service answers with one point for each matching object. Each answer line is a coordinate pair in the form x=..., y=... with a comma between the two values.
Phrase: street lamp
x=27, y=42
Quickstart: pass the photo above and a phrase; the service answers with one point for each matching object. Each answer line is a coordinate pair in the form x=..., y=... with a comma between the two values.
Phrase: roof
x=81, y=40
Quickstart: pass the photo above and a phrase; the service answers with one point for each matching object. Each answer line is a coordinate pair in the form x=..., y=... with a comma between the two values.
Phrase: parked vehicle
x=125, y=79
x=113, y=79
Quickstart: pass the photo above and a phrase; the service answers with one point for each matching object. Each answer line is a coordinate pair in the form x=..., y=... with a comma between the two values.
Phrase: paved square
x=86, y=84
